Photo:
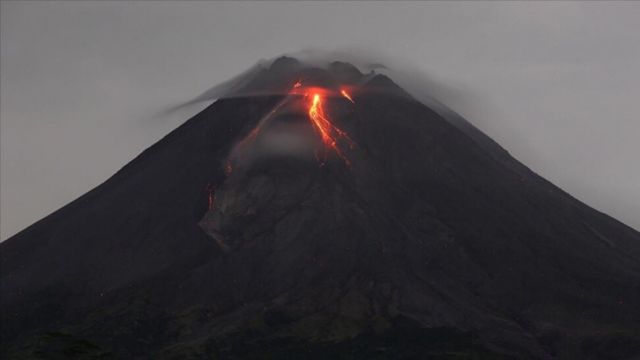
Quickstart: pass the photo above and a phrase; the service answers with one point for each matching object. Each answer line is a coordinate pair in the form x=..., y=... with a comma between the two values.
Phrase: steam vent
x=321, y=212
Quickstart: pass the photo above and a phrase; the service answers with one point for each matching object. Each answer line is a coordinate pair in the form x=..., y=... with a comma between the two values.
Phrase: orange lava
x=329, y=133
x=332, y=136
x=346, y=94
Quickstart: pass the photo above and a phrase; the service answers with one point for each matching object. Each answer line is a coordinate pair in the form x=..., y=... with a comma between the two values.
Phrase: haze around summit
x=83, y=83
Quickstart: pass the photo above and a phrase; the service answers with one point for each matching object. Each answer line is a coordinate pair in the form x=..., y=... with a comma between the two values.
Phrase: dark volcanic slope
x=428, y=244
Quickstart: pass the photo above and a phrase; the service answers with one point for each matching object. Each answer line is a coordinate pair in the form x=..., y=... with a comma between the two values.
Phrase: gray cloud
x=556, y=83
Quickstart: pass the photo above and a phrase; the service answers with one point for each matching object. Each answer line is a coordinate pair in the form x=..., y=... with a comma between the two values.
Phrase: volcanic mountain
x=321, y=212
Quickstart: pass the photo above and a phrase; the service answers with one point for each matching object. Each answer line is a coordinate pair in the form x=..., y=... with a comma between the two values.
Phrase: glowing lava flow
x=329, y=133
x=346, y=94
x=331, y=136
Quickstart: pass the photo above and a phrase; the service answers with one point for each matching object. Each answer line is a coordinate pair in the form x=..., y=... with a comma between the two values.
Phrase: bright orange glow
x=346, y=94
x=329, y=134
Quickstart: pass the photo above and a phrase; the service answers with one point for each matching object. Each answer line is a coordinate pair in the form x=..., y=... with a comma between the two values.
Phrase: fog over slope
x=555, y=83
x=323, y=211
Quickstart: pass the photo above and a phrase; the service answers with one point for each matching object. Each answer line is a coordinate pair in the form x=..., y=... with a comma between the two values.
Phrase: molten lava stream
x=346, y=95
x=329, y=134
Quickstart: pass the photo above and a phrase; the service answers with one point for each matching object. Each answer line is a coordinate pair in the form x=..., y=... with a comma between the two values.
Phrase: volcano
x=322, y=212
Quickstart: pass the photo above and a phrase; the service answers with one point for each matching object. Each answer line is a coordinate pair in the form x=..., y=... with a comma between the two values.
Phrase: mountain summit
x=322, y=212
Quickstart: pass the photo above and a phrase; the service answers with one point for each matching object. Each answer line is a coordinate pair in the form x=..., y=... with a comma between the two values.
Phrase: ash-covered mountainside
x=324, y=213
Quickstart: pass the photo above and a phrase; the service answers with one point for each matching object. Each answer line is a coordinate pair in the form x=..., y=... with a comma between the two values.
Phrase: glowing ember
x=346, y=94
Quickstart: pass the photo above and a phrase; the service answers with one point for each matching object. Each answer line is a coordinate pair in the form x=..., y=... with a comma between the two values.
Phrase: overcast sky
x=82, y=84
